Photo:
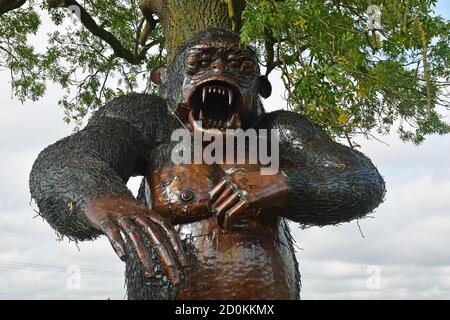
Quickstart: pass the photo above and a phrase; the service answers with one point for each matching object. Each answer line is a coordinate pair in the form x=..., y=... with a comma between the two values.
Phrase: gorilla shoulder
x=134, y=108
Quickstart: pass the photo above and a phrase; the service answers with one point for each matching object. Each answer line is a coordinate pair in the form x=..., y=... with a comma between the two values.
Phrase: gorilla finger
x=173, y=237
x=217, y=190
x=221, y=198
x=166, y=258
x=143, y=253
x=228, y=203
x=115, y=238
x=234, y=213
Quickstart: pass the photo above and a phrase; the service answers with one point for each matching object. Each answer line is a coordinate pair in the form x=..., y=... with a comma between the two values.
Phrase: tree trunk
x=181, y=19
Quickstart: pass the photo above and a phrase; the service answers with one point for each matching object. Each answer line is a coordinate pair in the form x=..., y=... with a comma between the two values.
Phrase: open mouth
x=216, y=104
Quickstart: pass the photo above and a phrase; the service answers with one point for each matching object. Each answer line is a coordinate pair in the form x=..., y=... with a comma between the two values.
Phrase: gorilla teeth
x=218, y=90
x=234, y=122
x=204, y=95
x=230, y=97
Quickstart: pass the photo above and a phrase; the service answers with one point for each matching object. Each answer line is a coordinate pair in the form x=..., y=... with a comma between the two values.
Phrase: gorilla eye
x=191, y=61
x=203, y=63
x=235, y=63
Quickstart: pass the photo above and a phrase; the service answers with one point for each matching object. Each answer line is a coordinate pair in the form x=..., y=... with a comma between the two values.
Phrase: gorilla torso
x=255, y=260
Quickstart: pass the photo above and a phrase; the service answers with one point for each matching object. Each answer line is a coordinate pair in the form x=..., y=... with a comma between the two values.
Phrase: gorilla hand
x=245, y=190
x=117, y=216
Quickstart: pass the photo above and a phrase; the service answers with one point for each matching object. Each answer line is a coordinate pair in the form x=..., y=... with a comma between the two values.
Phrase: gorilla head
x=214, y=79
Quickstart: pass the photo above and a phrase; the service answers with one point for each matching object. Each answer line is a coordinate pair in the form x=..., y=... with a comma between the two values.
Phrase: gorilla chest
x=180, y=192
x=252, y=260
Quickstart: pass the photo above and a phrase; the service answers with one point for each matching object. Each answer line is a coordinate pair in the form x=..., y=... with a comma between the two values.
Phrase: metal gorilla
x=201, y=231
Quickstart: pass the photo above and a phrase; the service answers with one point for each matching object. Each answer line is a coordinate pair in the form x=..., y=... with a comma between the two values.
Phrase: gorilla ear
x=157, y=74
x=264, y=87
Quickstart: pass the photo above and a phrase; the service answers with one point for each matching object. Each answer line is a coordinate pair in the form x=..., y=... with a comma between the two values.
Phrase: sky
x=401, y=252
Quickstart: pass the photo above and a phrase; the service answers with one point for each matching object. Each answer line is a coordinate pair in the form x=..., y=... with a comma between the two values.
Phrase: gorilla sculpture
x=199, y=231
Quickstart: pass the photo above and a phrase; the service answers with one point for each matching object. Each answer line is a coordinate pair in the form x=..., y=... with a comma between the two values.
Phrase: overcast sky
x=404, y=253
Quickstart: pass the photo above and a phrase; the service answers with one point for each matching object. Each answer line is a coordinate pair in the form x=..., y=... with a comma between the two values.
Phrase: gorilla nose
x=218, y=66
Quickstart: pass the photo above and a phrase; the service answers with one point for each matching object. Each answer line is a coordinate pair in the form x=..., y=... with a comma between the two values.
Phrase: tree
x=344, y=69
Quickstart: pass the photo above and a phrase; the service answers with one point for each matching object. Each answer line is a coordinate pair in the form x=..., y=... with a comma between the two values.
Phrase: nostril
x=218, y=66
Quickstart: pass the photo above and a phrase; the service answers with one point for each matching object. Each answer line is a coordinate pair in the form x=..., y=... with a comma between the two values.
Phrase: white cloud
x=24, y=132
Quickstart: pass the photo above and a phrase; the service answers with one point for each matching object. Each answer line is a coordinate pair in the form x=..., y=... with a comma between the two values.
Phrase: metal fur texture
x=329, y=183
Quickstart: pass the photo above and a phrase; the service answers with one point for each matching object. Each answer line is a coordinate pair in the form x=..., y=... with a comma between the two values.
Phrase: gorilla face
x=213, y=79
x=220, y=83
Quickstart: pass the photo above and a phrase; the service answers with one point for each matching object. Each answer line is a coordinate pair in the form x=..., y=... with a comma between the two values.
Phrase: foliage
x=341, y=73
x=351, y=79
x=86, y=68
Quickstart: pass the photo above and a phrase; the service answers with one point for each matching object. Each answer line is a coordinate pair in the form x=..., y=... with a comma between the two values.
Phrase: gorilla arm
x=79, y=183
x=321, y=182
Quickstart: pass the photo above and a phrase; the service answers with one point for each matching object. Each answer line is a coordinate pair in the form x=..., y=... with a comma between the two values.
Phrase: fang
x=203, y=95
x=230, y=97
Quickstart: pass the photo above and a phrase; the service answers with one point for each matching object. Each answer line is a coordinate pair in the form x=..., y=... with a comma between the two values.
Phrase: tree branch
x=8, y=5
x=270, y=52
x=90, y=24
